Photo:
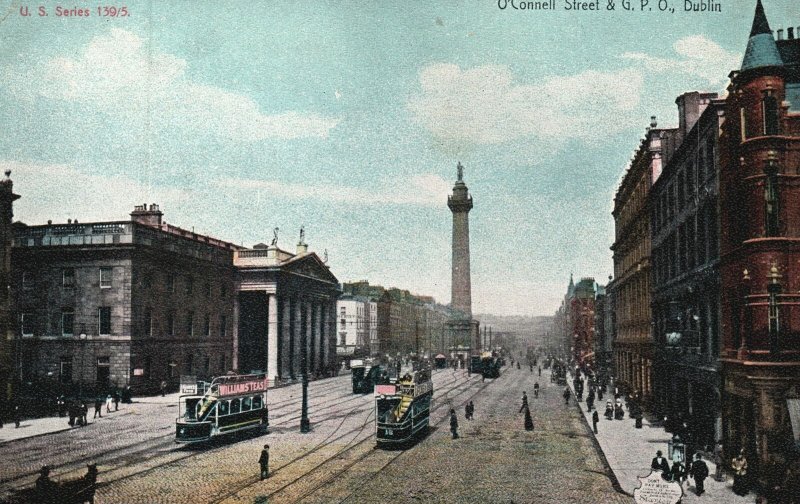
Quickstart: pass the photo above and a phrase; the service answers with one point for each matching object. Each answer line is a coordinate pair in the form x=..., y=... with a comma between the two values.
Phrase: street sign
x=656, y=490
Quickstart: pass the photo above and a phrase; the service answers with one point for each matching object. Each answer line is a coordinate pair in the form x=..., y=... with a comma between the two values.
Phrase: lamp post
x=305, y=424
x=82, y=340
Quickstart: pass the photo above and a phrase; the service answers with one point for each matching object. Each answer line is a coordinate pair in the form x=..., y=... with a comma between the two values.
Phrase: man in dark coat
x=699, y=472
x=264, y=462
x=524, y=402
x=98, y=407
x=659, y=463
x=595, y=419
x=453, y=423
x=566, y=395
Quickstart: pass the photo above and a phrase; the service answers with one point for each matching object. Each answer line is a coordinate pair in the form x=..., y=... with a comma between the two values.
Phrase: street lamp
x=82, y=339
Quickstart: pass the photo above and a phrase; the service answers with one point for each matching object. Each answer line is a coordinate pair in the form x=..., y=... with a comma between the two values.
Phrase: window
x=769, y=106
x=147, y=280
x=67, y=321
x=27, y=280
x=189, y=285
x=247, y=403
x=224, y=408
x=105, y=277
x=190, y=323
x=103, y=371
x=104, y=322
x=771, y=203
x=65, y=370
x=207, y=325
x=257, y=402
x=743, y=124
x=223, y=326
x=68, y=278
x=171, y=324
x=148, y=323
x=207, y=365
x=235, y=405
x=189, y=366
x=26, y=323
x=171, y=282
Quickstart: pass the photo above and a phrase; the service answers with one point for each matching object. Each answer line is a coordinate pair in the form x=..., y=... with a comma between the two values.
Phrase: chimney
x=780, y=34
x=302, y=248
x=790, y=33
x=148, y=217
x=690, y=108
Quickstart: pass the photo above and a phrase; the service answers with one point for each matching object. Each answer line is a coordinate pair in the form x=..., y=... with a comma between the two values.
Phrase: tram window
x=246, y=403
x=223, y=407
x=257, y=402
x=235, y=406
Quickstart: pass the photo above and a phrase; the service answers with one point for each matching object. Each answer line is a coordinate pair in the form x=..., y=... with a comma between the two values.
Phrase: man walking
x=264, y=462
x=595, y=419
x=536, y=390
x=524, y=401
x=453, y=423
x=566, y=395
x=659, y=463
x=98, y=407
x=699, y=472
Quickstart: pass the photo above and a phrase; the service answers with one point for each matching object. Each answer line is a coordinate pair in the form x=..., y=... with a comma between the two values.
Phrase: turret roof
x=761, y=48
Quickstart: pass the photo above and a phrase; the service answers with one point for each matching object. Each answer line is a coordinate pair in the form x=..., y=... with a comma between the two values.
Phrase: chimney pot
x=69, y=221
x=780, y=34
x=790, y=33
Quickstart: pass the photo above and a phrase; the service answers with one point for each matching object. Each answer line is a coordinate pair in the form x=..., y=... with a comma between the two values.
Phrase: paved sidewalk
x=629, y=451
x=31, y=427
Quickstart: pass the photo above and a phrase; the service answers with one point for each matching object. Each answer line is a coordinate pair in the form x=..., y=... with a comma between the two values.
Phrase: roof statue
x=274, y=237
x=460, y=169
x=302, y=235
x=325, y=256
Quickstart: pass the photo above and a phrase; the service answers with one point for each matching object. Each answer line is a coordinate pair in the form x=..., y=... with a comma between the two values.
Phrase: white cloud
x=119, y=75
x=698, y=56
x=420, y=190
x=484, y=105
x=60, y=191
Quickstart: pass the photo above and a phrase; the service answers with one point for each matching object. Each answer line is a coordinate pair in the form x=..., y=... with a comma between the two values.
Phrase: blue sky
x=349, y=118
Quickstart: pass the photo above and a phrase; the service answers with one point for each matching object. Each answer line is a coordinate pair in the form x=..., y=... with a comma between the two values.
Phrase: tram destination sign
x=243, y=387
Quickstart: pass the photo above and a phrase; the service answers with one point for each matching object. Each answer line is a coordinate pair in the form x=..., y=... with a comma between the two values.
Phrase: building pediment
x=309, y=265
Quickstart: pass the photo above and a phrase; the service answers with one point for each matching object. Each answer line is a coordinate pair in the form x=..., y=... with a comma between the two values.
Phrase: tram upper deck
x=227, y=404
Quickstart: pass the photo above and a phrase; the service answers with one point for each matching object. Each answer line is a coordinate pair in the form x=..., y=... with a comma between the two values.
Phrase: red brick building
x=760, y=250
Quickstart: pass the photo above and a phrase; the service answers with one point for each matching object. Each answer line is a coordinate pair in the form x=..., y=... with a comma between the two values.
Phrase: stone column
x=318, y=321
x=286, y=339
x=297, y=337
x=272, y=338
x=309, y=331
x=235, y=332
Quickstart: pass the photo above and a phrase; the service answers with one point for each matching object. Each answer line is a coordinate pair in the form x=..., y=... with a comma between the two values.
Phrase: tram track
x=457, y=384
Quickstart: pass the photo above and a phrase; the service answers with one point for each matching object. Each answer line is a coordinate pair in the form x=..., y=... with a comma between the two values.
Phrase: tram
x=364, y=376
x=230, y=403
x=402, y=409
x=490, y=365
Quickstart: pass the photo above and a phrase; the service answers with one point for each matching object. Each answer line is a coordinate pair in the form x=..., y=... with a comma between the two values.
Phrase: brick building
x=685, y=275
x=760, y=250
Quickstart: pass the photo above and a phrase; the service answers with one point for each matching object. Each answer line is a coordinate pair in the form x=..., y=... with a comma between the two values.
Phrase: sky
x=349, y=117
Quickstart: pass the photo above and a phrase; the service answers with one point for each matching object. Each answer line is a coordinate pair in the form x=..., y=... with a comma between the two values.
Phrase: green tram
x=230, y=403
x=402, y=409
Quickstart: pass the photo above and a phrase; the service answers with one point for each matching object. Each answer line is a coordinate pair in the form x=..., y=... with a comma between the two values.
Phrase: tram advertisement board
x=243, y=387
x=385, y=390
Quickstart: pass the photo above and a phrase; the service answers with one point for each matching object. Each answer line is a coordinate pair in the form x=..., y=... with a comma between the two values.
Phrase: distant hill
x=523, y=329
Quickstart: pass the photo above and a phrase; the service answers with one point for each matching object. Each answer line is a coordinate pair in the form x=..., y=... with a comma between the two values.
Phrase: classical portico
x=285, y=303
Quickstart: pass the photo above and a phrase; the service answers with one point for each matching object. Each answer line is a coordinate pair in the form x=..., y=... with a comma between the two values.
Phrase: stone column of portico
x=297, y=337
x=309, y=333
x=286, y=339
x=272, y=338
x=318, y=362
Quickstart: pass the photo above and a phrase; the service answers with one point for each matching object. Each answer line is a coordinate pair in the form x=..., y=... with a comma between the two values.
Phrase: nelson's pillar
x=463, y=330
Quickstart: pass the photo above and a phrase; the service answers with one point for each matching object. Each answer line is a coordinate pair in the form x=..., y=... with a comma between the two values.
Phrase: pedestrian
x=524, y=401
x=453, y=423
x=127, y=396
x=600, y=393
x=540, y=370
x=531, y=368
x=517, y=365
x=108, y=403
x=45, y=488
x=98, y=407
x=164, y=387
x=528, y=419
x=16, y=416
x=659, y=463
x=595, y=419
x=718, y=461
x=678, y=472
x=72, y=411
x=116, y=398
x=590, y=402
x=62, y=406
x=263, y=462
x=469, y=410
x=739, y=466
x=84, y=414
x=566, y=395
x=536, y=390
x=699, y=472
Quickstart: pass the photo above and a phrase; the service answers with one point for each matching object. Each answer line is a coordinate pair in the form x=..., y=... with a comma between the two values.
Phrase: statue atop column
x=460, y=170
x=302, y=235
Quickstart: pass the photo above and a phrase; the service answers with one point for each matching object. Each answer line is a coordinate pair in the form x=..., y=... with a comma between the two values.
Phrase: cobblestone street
x=495, y=460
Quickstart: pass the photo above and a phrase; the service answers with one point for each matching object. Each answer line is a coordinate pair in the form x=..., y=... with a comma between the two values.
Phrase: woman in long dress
x=528, y=419
x=739, y=466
